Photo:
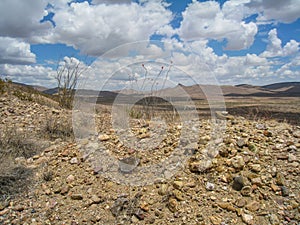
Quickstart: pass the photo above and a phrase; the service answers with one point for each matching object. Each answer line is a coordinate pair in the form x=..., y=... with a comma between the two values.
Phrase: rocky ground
x=254, y=178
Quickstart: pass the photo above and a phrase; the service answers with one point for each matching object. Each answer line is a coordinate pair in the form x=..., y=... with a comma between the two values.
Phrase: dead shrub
x=15, y=142
x=14, y=178
x=58, y=127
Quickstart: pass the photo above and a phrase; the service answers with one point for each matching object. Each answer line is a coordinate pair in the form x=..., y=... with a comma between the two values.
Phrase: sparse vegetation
x=67, y=76
x=21, y=137
x=47, y=175
x=4, y=85
x=135, y=114
x=148, y=106
x=58, y=127
x=52, y=180
x=26, y=93
x=15, y=142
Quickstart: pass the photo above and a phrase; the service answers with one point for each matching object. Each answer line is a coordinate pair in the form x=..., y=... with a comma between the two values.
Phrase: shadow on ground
x=260, y=113
x=15, y=182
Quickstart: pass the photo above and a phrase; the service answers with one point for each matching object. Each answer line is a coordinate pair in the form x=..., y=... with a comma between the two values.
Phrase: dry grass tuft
x=55, y=128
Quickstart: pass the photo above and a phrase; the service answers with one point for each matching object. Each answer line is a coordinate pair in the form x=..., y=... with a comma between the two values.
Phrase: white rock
x=70, y=178
x=247, y=218
x=74, y=160
x=210, y=186
x=292, y=158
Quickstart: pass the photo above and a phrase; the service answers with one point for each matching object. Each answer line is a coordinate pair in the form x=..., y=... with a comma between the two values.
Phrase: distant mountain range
x=35, y=87
x=285, y=89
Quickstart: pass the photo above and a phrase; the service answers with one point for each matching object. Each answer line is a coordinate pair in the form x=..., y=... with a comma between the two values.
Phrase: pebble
x=292, y=158
x=215, y=220
x=240, y=202
x=274, y=187
x=104, y=137
x=178, y=184
x=238, y=183
x=224, y=152
x=247, y=218
x=282, y=157
x=280, y=179
x=238, y=162
x=226, y=205
x=246, y=191
x=241, y=142
x=140, y=214
x=64, y=190
x=296, y=134
x=19, y=208
x=284, y=191
x=252, y=147
x=134, y=219
x=292, y=148
x=210, y=186
x=255, y=167
x=76, y=197
x=51, y=204
x=213, y=197
x=200, y=166
x=257, y=181
x=260, y=126
x=145, y=206
x=294, y=204
x=127, y=165
x=253, y=206
x=95, y=199
x=163, y=189
x=178, y=195
x=74, y=160
x=268, y=133
x=173, y=205
x=70, y=178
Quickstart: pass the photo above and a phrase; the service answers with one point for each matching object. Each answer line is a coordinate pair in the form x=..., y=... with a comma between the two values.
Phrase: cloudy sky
x=230, y=42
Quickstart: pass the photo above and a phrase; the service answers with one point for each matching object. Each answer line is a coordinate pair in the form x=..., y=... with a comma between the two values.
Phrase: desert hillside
x=48, y=176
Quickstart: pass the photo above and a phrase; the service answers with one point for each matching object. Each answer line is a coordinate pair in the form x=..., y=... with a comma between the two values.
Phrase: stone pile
x=254, y=178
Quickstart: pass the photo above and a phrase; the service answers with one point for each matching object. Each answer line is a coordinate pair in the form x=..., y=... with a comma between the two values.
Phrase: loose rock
x=74, y=160
x=76, y=197
x=253, y=206
x=210, y=186
x=284, y=191
x=246, y=191
x=247, y=218
x=238, y=183
x=104, y=137
x=238, y=162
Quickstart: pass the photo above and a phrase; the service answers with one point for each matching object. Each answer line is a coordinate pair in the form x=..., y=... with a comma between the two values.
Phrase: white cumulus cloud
x=275, y=49
x=22, y=18
x=285, y=11
x=96, y=28
x=207, y=20
x=28, y=74
x=14, y=51
x=111, y=1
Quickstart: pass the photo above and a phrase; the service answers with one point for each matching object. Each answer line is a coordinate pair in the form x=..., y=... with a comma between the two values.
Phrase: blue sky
x=240, y=41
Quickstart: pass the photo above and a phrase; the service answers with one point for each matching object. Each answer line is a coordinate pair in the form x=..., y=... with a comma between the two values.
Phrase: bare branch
x=67, y=75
